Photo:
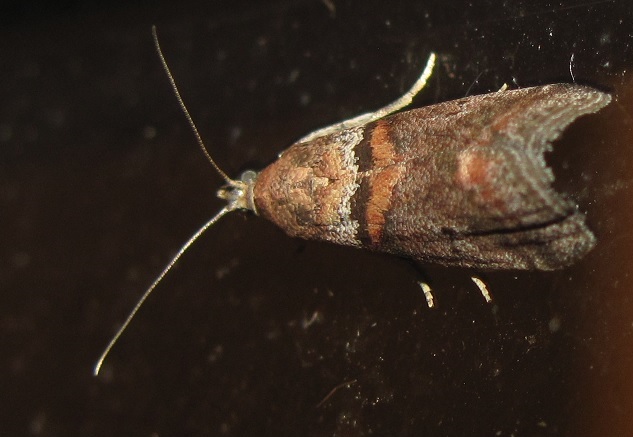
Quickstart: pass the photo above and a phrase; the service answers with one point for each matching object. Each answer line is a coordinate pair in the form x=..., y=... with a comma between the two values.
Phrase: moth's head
x=239, y=193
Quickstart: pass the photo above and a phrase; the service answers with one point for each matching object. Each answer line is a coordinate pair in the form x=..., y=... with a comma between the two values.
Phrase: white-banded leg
x=483, y=288
x=426, y=289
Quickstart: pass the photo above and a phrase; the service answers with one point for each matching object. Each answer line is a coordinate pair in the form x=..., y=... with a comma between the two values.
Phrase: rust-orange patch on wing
x=382, y=179
x=473, y=170
x=382, y=184
x=382, y=150
x=477, y=172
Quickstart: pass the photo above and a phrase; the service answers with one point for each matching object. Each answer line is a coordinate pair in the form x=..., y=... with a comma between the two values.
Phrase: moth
x=460, y=183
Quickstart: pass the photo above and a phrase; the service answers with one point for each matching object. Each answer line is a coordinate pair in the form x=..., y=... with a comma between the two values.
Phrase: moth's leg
x=422, y=280
x=483, y=288
x=380, y=113
x=481, y=285
x=426, y=289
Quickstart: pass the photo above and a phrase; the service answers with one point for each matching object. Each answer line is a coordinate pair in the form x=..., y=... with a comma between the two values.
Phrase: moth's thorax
x=308, y=191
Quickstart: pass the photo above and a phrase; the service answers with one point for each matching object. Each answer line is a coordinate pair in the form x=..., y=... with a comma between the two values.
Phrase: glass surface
x=255, y=333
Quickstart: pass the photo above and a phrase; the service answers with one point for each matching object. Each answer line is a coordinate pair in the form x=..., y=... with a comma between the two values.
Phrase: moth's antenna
x=238, y=194
x=173, y=261
x=184, y=108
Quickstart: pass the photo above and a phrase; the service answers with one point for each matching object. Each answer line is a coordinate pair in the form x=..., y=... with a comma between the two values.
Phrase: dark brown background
x=101, y=181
